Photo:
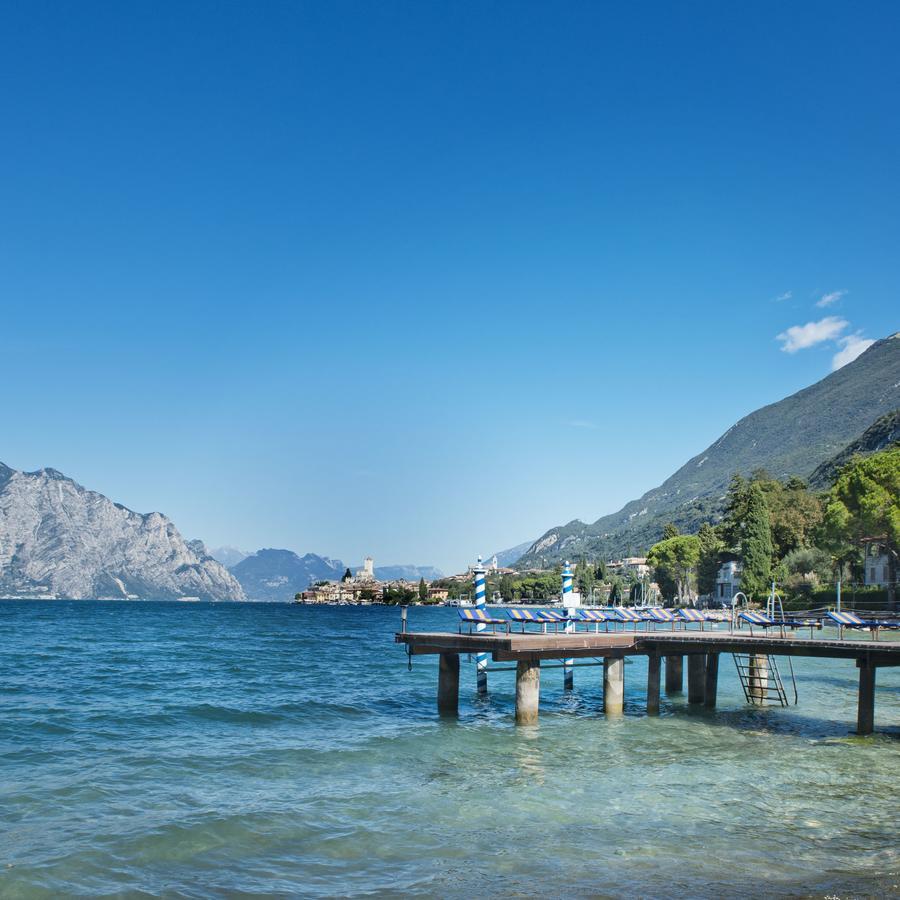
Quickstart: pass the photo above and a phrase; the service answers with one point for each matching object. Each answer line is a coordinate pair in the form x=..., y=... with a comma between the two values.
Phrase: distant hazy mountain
x=228, y=556
x=791, y=437
x=508, y=557
x=406, y=573
x=279, y=574
x=60, y=539
x=881, y=434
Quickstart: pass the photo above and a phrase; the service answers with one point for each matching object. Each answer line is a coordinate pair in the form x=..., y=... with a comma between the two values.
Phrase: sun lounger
x=852, y=620
x=663, y=617
x=631, y=616
x=695, y=616
x=594, y=617
x=540, y=617
x=761, y=620
x=476, y=615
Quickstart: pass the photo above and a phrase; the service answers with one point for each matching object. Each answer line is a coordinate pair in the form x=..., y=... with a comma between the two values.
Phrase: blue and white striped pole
x=568, y=664
x=481, y=659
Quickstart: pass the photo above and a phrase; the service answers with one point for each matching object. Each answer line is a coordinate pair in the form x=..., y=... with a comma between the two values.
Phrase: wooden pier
x=702, y=649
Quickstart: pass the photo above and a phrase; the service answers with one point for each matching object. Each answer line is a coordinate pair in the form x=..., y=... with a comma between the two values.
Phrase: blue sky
x=421, y=280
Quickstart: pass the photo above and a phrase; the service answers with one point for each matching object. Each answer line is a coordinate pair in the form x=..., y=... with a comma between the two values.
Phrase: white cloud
x=828, y=299
x=785, y=296
x=851, y=347
x=581, y=423
x=799, y=337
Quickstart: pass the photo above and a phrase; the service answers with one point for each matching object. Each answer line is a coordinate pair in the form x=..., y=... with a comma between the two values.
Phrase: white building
x=367, y=572
x=728, y=581
x=878, y=572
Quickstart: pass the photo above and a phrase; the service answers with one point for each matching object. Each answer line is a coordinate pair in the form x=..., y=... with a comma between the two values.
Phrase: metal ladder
x=761, y=682
x=760, y=688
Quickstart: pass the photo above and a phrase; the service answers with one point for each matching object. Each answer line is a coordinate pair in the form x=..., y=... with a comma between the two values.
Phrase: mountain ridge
x=791, y=436
x=60, y=539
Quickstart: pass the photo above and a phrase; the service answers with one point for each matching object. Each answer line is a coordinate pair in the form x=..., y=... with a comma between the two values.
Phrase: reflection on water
x=202, y=750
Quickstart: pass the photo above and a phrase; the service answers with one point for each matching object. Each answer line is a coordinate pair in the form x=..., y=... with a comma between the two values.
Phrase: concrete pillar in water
x=758, y=679
x=528, y=691
x=712, y=679
x=653, y=685
x=674, y=675
x=481, y=659
x=865, y=711
x=613, y=685
x=568, y=664
x=696, y=677
x=448, y=684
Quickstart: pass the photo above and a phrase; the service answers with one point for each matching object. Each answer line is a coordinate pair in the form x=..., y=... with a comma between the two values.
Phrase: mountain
x=279, y=574
x=882, y=433
x=791, y=437
x=228, y=556
x=58, y=539
x=506, y=558
x=407, y=573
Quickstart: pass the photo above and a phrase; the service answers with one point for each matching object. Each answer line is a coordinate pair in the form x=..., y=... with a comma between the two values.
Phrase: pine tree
x=711, y=546
x=756, y=545
x=670, y=531
x=423, y=589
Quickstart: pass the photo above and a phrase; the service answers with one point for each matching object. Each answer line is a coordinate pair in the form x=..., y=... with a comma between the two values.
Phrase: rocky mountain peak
x=58, y=539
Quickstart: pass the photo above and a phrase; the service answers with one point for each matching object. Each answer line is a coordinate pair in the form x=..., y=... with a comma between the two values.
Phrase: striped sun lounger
x=629, y=616
x=663, y=616
x=761, y=620
x=594, y=617
x=540, y=617
x=695, y=616
x=852, y=620
x=476, y=615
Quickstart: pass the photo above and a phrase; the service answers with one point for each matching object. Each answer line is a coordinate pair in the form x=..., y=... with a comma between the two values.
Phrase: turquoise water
x=201, y=750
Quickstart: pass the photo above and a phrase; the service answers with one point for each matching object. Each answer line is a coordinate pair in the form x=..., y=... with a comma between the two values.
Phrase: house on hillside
x=728, y=581
x=877, y=566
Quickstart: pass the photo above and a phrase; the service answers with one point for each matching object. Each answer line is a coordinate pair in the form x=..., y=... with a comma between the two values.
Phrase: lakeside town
x=773, y=535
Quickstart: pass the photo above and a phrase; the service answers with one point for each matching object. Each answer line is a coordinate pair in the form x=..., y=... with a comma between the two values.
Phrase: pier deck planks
x=560, y=645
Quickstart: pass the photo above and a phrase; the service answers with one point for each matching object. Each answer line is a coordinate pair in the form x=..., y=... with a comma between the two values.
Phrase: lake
x=201, y=750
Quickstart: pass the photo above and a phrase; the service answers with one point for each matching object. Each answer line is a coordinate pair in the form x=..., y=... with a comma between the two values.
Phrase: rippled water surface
x=201, y=750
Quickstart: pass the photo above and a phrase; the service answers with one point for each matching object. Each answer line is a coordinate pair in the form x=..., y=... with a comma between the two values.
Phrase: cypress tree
x=756, y=545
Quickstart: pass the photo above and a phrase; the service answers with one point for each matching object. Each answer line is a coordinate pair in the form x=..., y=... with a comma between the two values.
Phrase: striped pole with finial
x=481, y=659
x=568, y=664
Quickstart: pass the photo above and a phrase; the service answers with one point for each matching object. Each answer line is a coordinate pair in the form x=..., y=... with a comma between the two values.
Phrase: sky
x=422, y=280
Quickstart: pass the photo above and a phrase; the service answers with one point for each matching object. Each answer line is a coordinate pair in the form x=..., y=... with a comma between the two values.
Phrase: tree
x=584, y=578
x=794, y=515
x=756, y=545
x=600, y=571
x=423, y=589
x=674, y=561
x=348, y=575
x=711, y=547
x=616, y=590
x=864, y=504
x=670, y=531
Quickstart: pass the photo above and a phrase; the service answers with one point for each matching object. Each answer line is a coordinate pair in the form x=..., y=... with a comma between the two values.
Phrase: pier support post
x=712, y=679
x=696, y=677
x=448, y=684
x=528, y=691
x=865, y=712
x=758, y=679
x=653, y=685
x=613, y=685
x=674, y=675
